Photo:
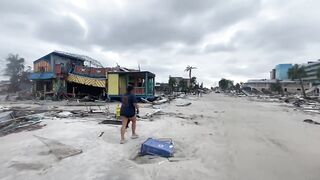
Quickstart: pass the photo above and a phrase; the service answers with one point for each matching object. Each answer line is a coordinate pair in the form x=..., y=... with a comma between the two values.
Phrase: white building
x=311, y=70
x=288, y=86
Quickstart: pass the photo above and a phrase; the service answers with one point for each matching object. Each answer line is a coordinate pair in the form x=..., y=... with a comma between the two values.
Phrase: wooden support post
x=44, y=91
x=73, y=92
x=127, y=77
x=154, y=84
x=146, y=84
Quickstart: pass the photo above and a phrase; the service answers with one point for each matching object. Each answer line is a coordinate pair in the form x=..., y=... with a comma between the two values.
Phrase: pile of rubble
x=311, y=105
x=14, y=121
x=306, y=105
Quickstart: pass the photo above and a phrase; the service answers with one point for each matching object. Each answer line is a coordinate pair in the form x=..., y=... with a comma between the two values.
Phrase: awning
x=95, y=82
x=41, y=76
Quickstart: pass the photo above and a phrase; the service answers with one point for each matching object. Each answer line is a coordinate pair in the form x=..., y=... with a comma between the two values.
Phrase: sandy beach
x=216, y=137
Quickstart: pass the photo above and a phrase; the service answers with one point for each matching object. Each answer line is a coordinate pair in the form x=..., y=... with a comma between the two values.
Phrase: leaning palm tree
x=298, y=72
x=189, y=69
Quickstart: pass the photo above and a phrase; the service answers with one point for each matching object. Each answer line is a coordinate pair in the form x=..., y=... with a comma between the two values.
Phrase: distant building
x=281, y=71
x=311, y=69
x=162, y=88
x=179, y=79
x=259, y=84
x=288, y=86
x=273, y=74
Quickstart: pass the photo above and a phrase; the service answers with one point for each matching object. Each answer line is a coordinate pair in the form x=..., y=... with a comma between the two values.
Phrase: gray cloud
x=177, y=21
x=292, y=35
x=62, y=30
x=219, y=48
x=165, y=36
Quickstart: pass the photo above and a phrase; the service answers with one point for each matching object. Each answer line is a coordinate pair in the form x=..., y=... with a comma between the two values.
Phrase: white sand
x=234, y=139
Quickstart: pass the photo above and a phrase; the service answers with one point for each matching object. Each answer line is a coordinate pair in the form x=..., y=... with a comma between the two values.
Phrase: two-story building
x=60, y=74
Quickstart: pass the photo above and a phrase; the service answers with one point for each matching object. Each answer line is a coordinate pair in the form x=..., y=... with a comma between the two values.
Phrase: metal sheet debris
x=58, y=149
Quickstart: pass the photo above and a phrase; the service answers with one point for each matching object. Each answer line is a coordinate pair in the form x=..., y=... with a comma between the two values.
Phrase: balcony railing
x=90, y=71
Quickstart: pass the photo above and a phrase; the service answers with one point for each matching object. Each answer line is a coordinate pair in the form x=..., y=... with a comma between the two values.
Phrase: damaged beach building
x=279, y=75
x=61, y=75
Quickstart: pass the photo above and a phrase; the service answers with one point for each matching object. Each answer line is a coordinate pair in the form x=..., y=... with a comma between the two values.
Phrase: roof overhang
x=133, y=72
x=41, y=76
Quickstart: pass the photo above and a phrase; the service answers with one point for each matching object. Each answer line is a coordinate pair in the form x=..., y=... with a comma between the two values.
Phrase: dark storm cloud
x=143, y=24
x=61, y=29
x=166, y=35
x=186, y=22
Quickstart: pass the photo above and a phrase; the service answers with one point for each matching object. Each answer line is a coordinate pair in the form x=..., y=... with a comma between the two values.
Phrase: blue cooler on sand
x=157, y=147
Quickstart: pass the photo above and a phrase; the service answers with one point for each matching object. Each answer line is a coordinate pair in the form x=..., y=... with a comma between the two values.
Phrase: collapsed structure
x=264, y=85
x=64, y=75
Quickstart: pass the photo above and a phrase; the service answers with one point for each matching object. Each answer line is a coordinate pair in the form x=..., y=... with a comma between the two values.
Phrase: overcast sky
x=236, y=39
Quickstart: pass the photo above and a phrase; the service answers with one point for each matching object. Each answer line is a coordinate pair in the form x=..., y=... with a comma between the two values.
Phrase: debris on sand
x=6, y=115
x=144, y=100
x=307, y=105
x=298, y=102
x=148, y=159
x=59, y=150
x=310, y=121
x=27, y=166
x=11, y=123
x=152, y=114
x=183, y=105
x=101, y=134
x=162, y=101
x=64, y=114
x=111, y=121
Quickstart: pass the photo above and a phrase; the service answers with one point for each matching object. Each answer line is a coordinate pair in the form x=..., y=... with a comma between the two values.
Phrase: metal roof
x=79, y=57
x=74, y=56
x=130, y=72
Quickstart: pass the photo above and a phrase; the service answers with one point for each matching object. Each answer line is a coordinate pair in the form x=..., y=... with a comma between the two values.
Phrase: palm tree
x=189, y=69
x=193, y=81
x=14, y=69
x=298, y=72
x=172, y=83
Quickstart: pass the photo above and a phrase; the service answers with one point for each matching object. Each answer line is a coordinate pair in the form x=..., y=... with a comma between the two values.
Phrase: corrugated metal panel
x=95, y=82
x=80, y=57
x=41, y=76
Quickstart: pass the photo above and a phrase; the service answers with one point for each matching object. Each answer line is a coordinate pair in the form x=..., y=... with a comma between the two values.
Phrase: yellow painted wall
x=123, y=84
x=113, y=84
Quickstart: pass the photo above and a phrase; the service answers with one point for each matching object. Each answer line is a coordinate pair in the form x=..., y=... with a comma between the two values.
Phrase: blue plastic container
x=157, y=147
